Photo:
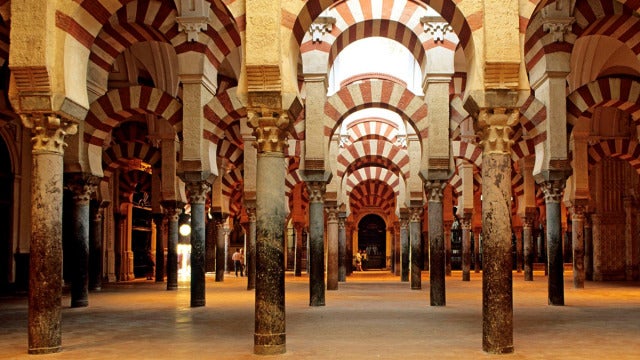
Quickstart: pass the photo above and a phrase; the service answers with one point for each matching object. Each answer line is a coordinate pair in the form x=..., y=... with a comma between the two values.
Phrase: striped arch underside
x=373, y=194
x=623, y=94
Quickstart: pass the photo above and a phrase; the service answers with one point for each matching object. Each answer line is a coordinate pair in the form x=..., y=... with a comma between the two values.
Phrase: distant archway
x=372, y=239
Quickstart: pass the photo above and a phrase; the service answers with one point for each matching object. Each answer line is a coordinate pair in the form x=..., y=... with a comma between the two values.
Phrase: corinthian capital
x=49, y=131
x=553, y=190
x=434, y=190
x=271, y=129
x=496, y=130
x=316, y=191
x=198, y=191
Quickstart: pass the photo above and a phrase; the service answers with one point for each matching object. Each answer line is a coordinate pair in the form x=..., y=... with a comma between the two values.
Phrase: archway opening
x=372, y=242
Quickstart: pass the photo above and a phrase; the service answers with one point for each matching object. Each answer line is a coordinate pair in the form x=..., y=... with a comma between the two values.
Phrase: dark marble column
x=218, y=220
x=404, y=246
x=158, y=219
x=446, y=226
x=577, y=243
x=95, y=249
x=527, y=240
x=210, y=245
x=415, y=230
x=172, y=211
x=270, y=130
x=250, y=261
x=497, y=262
x=466, y=246
x=434, y=190
x=553, y=196
x=332, y=247
x=297, y=268
x=396, y=249
x=588, y=248
x=45, y=262
x=349, y=239
x=316, y=243
x=197, y=197
x=517, y=232
x=82, y=187
x=342, y=248
x=476, y=250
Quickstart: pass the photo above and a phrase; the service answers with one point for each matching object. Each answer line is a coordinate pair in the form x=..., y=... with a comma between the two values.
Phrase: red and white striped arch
x=230, y=151
x=369, y=127
x=291, y=179
x=448, y=9
x=230, y=181
x=113, y=156
x=373, y=151
x=221, y=112
x=624, y=149
x=376, y=94
x=119, y=105
x=373, y=173
x=373, y=194
x=467, y=151
x=623, y=94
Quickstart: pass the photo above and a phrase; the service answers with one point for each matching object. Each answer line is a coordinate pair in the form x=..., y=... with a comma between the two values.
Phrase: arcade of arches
x=486, y=135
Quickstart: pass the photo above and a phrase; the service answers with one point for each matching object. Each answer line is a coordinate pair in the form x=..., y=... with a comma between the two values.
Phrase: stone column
x=517, y=232
x=250, y=260
x=297, y=269
x=95, y=249
x=172, y=211
x=219, y=220
x=332, y=247
x=466, y=246
x=415, y=230
x=577, y=243
x=316, y=243
x=628, y=237
x=349, y=239
x=270, y=132
x=497, y=291
x=553, y=195
x=596, y=246
x=210, y=244
x=158, y=219
x=397, y=260
x=342, y=248
x=45, y=265
x=197, y=198
x=81, y=188
x=446, y=226
x=404, y=247
x=588, y=248
x=434, y=190
x=528, y=245
x=476, y=250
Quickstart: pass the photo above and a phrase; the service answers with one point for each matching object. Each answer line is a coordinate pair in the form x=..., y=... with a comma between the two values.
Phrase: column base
x=79, y=303
x=269, y=344
x=197, y=303
x=45, y=350
x=501, y=350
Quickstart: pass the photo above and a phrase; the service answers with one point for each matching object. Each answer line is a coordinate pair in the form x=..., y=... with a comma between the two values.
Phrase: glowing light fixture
x=185, y=230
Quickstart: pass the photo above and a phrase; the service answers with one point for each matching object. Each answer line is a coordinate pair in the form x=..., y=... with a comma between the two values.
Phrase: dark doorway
x=372, y=239
x=6, y=183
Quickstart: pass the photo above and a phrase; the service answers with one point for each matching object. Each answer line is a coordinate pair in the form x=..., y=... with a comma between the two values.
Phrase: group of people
x=361, y=259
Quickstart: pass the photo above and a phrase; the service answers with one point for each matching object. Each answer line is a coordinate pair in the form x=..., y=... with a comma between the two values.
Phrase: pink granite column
x=45, y=273
x=497, y=291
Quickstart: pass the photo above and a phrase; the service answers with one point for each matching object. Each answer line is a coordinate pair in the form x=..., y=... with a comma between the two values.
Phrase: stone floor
x=372, y=316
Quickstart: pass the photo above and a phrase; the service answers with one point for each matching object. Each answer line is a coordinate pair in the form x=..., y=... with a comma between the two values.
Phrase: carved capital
x=271, y=129
x=415, y=214
x=558, y=27
x=332, y=213
x=316, y=191
x=49, y=131
x=495, y=125
x=436, y=26
x=553, y=190
x=322, y=25
x=172, y=212
x=198, y=191
x=82, y=186
x=577, y=212
x=434, y=190
x=251, y=212
x=529, y=217
x=192, y=26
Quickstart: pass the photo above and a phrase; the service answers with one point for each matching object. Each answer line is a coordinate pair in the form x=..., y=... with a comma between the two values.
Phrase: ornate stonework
x=558, y=28
x=198, y=191
x=172, y=213
x=332, y=214
x=434, y=190
x=415, y=214
x=316, y=191
x=322, y=25
x=48, y=132
x=82, y=187
x=271, y=129
x=553, y=190
x=496, y=130
x=436, y=26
